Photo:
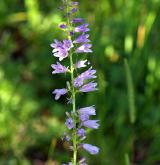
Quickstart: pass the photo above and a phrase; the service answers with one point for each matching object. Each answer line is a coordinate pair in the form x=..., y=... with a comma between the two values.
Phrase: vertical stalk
x=131, y=102
x=74, y=110
x=131, y=97
x=127, y=160
x=73, y=94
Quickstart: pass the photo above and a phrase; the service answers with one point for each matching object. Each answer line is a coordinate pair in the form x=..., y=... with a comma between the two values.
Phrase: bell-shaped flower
x=82, y=28
x=59, y=92
x=69, y=123
x=91, y=124
x=87, y=111
x=91, y=149
x=58, y=68
x=91, y=86
x=85, y=48
x=80, y=64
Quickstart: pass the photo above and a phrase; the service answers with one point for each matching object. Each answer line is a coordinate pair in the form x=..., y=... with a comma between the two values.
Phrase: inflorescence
x=76, y=42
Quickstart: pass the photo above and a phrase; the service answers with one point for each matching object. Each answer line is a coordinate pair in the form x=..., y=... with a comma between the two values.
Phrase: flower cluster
x=78, y=42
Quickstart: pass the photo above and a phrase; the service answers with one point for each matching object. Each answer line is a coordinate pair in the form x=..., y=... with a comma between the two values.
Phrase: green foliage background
x=126, y=37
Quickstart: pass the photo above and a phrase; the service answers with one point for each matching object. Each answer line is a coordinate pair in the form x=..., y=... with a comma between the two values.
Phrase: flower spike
x=82, y=80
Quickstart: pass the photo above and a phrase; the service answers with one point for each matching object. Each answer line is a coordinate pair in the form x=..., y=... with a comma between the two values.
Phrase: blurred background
x=126, y=37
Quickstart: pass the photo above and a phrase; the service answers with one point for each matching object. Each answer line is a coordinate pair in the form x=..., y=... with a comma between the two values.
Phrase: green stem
x=73, y=93
x=74, y=110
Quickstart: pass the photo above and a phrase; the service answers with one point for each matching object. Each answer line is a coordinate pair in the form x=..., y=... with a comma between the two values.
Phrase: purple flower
x=82, y=39
x=67, y=44
x=70, y=100
x=60, y=49
x=78, y=82
x=62, y=26
x=87, y=110
x=61, y=54
x=69, y=123
x=85, y=48
x=83, y=161
x=89, y=87
x=56, y=45
x=84, y=117
x=77, y=20
x=88, y=74
x=59, y=92
x=58, y=68
x=81, y=64
x=74, y=3
x=84, y=113
x=70, y=163
x=91, y=149
x=71, y=33
x=82, y=28
x=81, y=132
x=91, y=124
x=68, y=138
x=74, y=10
